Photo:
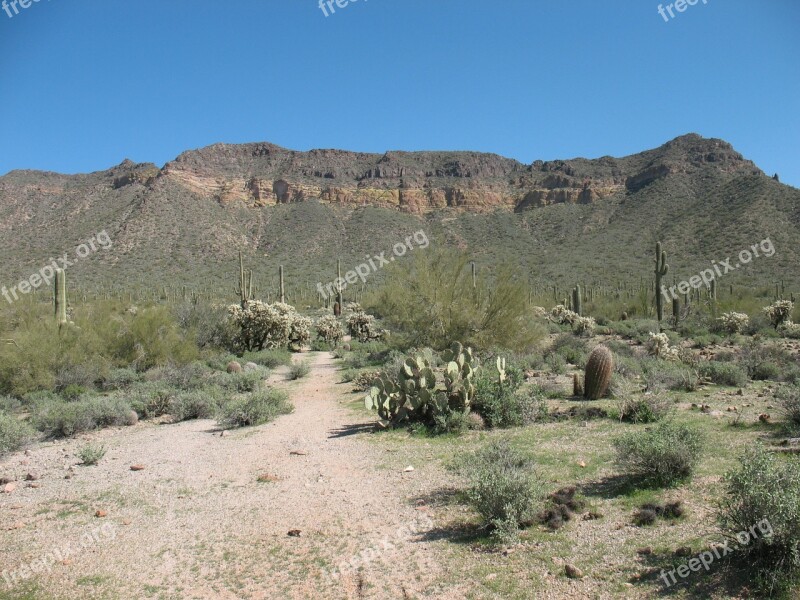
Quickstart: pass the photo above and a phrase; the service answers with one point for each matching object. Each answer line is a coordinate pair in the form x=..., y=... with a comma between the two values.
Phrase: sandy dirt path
x=196, y=522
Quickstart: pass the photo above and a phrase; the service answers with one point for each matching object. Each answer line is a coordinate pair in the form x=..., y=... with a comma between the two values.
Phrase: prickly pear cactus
x=459, y=389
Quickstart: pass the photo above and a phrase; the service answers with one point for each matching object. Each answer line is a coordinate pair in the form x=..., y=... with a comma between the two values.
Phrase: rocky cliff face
x=260, y=175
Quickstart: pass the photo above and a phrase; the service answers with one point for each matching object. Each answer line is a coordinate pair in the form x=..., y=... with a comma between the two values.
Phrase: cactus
x=245, y=289
x=280, y=276
x=676, y=310
x=501, y=371
x=577, y=304
x=474, y=276
x=459, y=389
x=339, y=296
x=60, y=297
x=661, y=269
x=598, y=373
x=577, y=385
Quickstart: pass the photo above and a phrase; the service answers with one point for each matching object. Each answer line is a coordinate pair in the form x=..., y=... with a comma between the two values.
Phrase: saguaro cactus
x=339, y=296
x=60, y=297
x=245, y=289
x=598, y=373
x=577, y=301
x=283, y=292
x=661, y=269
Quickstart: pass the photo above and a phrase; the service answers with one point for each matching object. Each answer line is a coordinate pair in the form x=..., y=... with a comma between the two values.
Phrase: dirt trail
x=197, y=523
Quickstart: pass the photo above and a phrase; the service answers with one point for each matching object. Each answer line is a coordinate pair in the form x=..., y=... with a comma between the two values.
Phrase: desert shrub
x=192, y=376
x=363, y=381
x=254, y=409
x=120, y=379
x=503, y=487
x=557, y=363
x=330, y=330
x=151, y=399
x=246, y=381
x=450, y=421
x=660, y=374
x=14, y=433
x=663, y=455
x=507, y=405
x=572, y=349
x=789, y=403
x=270, y=359
x=428, y=300
x=644, y=408
x=86, y=375
x=91, y=454
x=763, y=501
x=9, y=404
x=73, y=391
x=65, y=419
x=764, y=361
x=195, y=404
x=298, y=370
x=208, y=325
x=723, y=373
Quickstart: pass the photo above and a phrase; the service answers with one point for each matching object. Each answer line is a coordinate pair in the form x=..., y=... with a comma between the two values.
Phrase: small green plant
x=644, y=408
x=663, y=455
x=504, y=488
x=90, y=454
x=723, y=373
x=254, y=409
x=64, y=419
x=789, y=403
x=298, y=370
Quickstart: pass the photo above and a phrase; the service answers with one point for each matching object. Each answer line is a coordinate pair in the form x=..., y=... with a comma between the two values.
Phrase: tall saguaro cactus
x=339, y=296
x=245, y=289
x=577, y=302
x=283, y=291
x=60, y=297
x=661, y=269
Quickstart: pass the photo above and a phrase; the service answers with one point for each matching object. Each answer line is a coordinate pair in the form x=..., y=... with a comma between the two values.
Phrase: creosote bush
x=15, y=434
x=254, y=409
x=663, y=455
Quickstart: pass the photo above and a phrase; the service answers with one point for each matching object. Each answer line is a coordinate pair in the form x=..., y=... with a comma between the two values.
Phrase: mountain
x=562, y=222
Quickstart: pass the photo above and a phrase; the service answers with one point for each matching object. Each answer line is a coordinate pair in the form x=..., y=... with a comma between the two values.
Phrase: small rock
x=267, y=478
x=683, y=551
x=582, y=464
x=9, y=487
x=34, y=485
x=298, y=453
x=764, y=418
x=32, y=476
x=126, y=521
x=573, y=572
x=294, y=533
x=645, y=551
x=137, y=467
x=408, y=469
x=17, y=525
x=6, y=479
x=100, y=514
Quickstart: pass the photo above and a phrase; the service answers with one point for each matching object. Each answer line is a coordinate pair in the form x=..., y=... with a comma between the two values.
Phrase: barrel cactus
x=598, y=373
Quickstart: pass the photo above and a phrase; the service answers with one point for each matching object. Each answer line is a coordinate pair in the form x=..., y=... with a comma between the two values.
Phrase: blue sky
x=87, y=83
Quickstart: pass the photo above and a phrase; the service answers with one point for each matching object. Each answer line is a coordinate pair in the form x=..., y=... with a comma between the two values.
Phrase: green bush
x=14, y=433
x=246, y=381
x=663, y=455
x=789, y=403
x=270, y=359
x=151, y=399
x=573, y=349
x=763, y=500
x=429, y=300
x=254, y=409
x=192, y=376
x=65, y=419
x=9, y=404
x=644, y=408
x=120, y=379
x=507, y=405
x=196, y=404
x=450, y=421
x=723, y=373
x=298, y=370
x=503, y=487
x=662, y=374
x=765, y=361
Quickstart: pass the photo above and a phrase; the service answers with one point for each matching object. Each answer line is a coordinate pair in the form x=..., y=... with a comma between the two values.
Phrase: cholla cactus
x=353, y=307
x=659, y=347
x=265, y=326
x=779, y=312
x=539, y=312
x=584, y=326
x=330, y=330
x=362, y=327
x=734, y=322
x=789, y=329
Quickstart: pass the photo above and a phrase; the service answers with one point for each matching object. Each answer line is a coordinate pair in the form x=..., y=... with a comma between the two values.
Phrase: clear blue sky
x=87, y=83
